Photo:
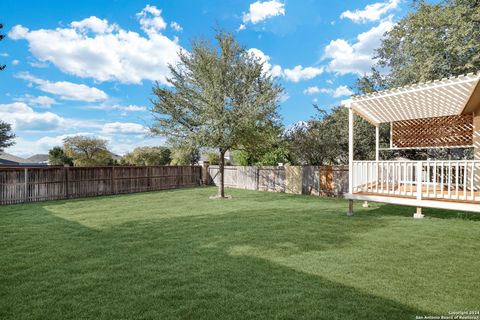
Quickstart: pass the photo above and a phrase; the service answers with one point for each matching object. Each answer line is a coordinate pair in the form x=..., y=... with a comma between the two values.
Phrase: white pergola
x=426, y=102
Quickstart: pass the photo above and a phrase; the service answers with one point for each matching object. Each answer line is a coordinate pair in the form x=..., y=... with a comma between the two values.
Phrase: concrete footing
x=418, y=214
x=365, y=204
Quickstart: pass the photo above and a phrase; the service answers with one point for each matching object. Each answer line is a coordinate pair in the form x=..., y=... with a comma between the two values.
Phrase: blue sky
x=86, y=67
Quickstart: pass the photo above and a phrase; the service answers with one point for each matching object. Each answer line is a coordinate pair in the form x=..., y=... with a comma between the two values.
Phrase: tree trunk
x=221, y=185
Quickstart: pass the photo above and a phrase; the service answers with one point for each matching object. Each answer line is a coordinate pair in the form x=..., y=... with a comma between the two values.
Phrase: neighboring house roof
x=115, y=156
x=7, y=158
x=38, y=158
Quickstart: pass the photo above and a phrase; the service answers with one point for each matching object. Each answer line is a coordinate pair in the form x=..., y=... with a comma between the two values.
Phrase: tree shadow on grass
x=177, y=268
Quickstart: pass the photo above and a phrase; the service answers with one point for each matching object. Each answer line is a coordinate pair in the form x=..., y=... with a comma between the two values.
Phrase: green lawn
x=178, y=255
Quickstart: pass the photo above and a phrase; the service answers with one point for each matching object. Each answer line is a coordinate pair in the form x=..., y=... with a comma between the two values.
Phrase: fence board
x=305, y=179
x=20, y=185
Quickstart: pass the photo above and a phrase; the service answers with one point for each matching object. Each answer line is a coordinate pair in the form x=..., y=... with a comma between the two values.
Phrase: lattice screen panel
x=448, y=131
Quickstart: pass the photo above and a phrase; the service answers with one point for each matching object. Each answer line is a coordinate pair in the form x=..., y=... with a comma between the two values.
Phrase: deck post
x=377, y=157
x=419, y=180
x=418, y=214
x=350, y=158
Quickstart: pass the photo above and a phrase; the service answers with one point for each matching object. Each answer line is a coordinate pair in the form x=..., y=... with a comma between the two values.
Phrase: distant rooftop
x=38, y=158
x=10, y=158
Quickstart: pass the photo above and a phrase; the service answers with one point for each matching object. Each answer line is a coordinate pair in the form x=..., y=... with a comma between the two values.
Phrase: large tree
x=87, y=151
x=323, y=140
x=2, y=66
x=185, y=156
x=6, y=135
x=433, y=41
x=148, y=156
x=220, y=97
x=57, y=157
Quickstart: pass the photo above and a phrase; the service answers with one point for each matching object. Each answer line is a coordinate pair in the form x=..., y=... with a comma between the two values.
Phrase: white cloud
x=22, y=117
x=356, y=58
x=26, y=147
x=18, y=32
x=66, y=90
x=40, y=101
x=37, y=64
x=299, y=73
x=341, y=91
x=117, y=144
x=3, y=54
x=151, y=20
x=107, y=52
x=94, y=24
x=176, y=26
x=15, y=62
x=371, y=12
x=129, y=108
x=260, y=11
x=123, y=128
x=296, y=74
x=314, y=90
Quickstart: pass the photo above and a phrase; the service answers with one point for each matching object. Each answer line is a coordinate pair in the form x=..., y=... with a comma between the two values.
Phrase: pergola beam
x=427, y=100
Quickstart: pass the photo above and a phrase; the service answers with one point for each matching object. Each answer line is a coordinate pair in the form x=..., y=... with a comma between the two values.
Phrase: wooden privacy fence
x=19, y=185
x=316, y=180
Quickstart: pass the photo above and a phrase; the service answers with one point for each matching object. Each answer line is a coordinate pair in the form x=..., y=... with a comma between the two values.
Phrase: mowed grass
x=178, y=255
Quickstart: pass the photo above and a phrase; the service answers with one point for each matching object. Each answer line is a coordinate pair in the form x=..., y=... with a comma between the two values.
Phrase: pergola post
x=350, y=158
x=377, y=156
x=476, y=149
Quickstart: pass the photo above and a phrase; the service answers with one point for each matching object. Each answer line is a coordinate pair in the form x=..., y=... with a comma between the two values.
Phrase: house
x=10, y=159
x=439, y=114
x=38, y=159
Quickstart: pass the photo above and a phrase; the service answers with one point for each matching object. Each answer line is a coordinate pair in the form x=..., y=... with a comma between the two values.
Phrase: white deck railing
x=452, y=180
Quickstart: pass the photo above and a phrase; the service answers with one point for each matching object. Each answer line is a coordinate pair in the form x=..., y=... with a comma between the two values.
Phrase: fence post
x=112, y=188
x=65, y=180
x=149, y=178
x=205, y=175
x=25, y=186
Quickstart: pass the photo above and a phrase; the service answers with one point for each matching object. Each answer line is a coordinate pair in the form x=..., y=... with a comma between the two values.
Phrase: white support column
x=377, y=158
x=476, y=149
x=418, y=214
x=350, y=149
x=350, y=158
x=391, y=135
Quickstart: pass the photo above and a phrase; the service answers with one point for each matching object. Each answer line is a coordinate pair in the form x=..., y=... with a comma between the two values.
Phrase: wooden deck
x=406, y=194
x=407, y=190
